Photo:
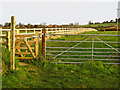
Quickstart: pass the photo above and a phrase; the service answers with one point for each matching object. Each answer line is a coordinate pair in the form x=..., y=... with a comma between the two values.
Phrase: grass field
x=102, y=25
x=44, y=74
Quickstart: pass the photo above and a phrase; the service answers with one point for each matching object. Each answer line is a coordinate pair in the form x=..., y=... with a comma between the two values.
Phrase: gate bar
x=81, y=51
x=87, y=55
x=87, y=34
x=79, y=63
x=43, y=43
x=87, y=59
x=80, y=41
x=107, y=44
x=78, y=48
x=92, y=46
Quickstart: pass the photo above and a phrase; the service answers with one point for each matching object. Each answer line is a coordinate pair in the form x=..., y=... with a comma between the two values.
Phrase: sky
x=58, y=12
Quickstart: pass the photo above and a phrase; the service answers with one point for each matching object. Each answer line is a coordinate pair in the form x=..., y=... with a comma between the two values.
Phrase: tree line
x=20, y=25
x=111, y=21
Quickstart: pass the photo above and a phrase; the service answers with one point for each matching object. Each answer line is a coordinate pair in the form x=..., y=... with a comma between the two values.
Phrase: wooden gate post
x=8, y=40
x=43, y=43
x=37, y=44
x=34, y=30
x=0, y=38
x=12, y=53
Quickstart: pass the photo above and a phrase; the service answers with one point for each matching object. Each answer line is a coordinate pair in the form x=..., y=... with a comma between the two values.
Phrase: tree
x=90, y=22
x=111, y=21
x=76, y=23
x=97, y=22
x=21, y=25
x=105, y=22
x=118, y=20
x=1, y=25
x=7, y=24
x=35, y=26
x=28, y=25
x=70, y=23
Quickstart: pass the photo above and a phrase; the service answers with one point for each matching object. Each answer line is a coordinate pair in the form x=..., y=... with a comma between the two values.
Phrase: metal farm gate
x=86, y=47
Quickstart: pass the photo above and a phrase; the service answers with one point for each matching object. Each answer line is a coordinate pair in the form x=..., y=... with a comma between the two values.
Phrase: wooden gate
x=27, y=46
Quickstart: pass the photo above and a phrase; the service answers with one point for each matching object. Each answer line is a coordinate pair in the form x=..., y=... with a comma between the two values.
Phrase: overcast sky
x=58, y=12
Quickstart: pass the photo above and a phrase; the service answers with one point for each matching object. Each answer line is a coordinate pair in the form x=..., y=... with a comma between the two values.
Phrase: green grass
x=101, y=25
x=89, y=75
x=47, y=75
x=43, y=74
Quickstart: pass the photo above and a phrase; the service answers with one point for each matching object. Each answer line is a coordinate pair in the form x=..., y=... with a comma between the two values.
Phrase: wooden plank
x=0, y=35
x=29, y=47
x=3, y=37
x=18, y=32
x=8, y=40
x=4, y=43
x=34, y=30
x=37, y=44
x=24, y=47
x=25, y=57
x=12, y=54
x=23, y=35
x=43, y=43
x=18, y=40
x=25, y=31
x=22, y=52
x=18, y=44
x=32, y=42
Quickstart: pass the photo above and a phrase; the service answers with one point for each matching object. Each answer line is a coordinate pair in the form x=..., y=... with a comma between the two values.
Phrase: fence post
x=1, y=38
x=8, y=40
x=12, y=54
x=92, y=48
x=25, y=31
x=18, y=32
x=43, y=43
x=37, y=44
x=34, y=30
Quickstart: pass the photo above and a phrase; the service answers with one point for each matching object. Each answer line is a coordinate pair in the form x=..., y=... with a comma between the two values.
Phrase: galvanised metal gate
x=79, y=48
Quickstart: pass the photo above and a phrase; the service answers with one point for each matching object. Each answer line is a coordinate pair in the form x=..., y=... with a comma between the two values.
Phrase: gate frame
x=92, y=56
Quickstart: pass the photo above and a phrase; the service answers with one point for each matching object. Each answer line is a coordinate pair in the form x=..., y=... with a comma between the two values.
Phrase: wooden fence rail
x=5, y=38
